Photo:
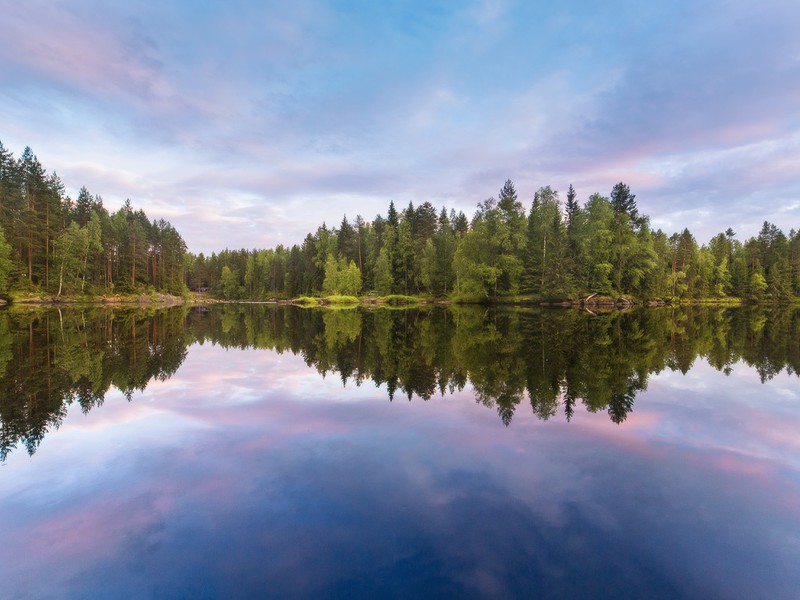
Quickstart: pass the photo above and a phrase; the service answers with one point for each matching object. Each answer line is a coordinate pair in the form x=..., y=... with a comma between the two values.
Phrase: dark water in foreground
x=254, y=451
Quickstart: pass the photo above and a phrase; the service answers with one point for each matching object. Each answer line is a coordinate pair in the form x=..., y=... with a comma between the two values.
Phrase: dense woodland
x=56, y=245
x=554, y=363
x=52, y=244
x=555, y=250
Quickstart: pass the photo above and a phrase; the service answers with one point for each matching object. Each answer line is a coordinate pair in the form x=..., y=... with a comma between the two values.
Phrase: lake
x=244, y=451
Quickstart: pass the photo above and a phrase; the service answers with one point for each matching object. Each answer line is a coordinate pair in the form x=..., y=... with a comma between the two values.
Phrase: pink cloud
x=70, y=50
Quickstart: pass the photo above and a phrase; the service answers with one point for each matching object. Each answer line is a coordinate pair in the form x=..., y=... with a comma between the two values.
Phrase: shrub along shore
x=593, y=302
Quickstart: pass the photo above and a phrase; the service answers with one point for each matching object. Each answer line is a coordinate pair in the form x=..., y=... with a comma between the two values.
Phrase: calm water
x=259, y=451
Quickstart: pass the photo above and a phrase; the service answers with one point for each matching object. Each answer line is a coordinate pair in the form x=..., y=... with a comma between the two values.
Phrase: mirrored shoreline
x=553, y=361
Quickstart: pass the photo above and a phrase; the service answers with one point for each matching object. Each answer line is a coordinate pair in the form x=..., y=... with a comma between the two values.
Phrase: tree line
x=552, y=250
x=555, y=250
x=52, y=244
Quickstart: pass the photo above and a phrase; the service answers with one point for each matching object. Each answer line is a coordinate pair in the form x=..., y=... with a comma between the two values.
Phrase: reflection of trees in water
x=555, y=360
x=52, y=359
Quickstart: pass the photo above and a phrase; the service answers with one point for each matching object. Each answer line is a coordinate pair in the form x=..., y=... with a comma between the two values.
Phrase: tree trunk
x=133, y=263
x=47, y=247
x=85, y=267
x=544, y=258
x=30, y=253
x=60, y=280
x=674, y=266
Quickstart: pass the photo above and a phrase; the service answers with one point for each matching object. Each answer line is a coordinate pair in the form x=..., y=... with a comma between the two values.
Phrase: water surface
x=278, y=452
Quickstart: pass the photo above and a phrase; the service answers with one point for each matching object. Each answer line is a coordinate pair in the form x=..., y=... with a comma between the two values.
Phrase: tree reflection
x=556, y=360
x=53, y=359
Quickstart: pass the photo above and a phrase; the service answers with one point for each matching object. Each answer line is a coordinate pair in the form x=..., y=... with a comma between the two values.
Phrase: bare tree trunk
x=60, y=280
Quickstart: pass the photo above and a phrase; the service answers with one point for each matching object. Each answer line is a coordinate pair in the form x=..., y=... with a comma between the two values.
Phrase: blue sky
x=246, y=124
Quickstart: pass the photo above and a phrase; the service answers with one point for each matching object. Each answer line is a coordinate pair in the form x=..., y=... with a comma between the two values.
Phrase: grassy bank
x=134, y=299
x=151, y=298
x=391, y=300
x=522, y=300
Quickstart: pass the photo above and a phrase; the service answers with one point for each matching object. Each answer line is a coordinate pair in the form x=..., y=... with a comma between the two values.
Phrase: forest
x=554, y=251
x=53, y=245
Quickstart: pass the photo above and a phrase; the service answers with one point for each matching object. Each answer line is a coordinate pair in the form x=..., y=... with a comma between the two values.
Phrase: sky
x=248, y=124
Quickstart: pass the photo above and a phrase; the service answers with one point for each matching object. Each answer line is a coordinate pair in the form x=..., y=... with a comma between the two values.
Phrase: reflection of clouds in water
x=675, y=411
x=251, y=375
x=273, y=483
x=741, y=416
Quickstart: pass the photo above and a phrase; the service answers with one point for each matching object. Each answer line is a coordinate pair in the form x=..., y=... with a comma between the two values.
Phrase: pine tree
x=571, y=207
x=623, y=202
x=391, y=217
x=507, y=201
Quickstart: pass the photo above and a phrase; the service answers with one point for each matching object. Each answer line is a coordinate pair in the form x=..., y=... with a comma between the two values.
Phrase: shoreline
x=161, y=300
x=154, y=299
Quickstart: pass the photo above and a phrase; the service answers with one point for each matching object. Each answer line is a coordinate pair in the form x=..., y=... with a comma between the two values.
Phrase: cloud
x=308, y=111
x=72, y=53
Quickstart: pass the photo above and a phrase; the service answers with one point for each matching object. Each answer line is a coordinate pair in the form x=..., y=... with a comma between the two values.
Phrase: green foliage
x=399, y=299
x=229, y=284
x=341, y=299
x=758, y=286
x=779, y=280
x=487, y=259
x=6, y=265
x=59, y=245
x=428, y=266
x=341, y=278
x=383, y=272
x=595, y=240
x=55, y=246
x=548, y=273
x=71, y=248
